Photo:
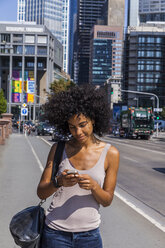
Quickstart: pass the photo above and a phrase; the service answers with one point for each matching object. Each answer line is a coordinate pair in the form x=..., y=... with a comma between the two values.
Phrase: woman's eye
x=83, y=125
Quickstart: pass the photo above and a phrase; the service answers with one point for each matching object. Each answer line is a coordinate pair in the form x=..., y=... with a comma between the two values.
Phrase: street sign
x=24, y=111
x=24, y=105
x=158, y=109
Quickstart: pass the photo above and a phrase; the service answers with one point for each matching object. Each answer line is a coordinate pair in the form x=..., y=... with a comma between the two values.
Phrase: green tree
x=61, y=85
x=3, y=103
x=162, y=114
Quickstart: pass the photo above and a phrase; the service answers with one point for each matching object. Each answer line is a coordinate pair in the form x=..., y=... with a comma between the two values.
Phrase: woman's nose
x=78, y=130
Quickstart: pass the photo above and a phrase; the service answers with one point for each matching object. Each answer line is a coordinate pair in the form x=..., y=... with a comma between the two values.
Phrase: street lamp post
x=146, y=93
x=34, y=106
x=136, y=99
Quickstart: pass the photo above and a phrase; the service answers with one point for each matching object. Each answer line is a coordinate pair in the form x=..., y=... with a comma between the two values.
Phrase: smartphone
x=72, y=172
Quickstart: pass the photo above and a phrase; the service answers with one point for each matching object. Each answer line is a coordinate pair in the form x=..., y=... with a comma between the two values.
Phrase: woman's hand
x=86, y=182
x=68, y=180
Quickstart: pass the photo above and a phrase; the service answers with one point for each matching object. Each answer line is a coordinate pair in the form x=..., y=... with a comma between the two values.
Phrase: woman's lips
x=80, y=137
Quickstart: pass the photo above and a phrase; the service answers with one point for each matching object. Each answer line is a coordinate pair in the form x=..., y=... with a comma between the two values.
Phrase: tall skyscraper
x=133, y=13
x=21, y=10
x=55, y=14
x=72, y=35
x=151, y=10
x=106, y=53
x=88, y=13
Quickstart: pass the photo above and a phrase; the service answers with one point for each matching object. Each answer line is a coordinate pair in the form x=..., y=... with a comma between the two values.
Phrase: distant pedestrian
x=87, y=173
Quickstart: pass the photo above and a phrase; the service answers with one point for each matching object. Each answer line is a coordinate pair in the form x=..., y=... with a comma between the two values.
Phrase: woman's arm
x=46, y=187
x=104, y=196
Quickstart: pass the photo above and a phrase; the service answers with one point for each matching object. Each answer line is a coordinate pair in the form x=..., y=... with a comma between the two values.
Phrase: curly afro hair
x=86, y=100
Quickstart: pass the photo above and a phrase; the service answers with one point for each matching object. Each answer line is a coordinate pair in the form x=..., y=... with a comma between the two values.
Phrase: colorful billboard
x=28, y=87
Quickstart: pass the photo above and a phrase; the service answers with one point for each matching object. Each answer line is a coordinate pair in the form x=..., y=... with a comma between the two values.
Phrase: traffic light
x=157, y=116
x=111, y=91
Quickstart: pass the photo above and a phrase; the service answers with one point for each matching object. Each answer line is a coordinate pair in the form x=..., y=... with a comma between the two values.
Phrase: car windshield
x=46, y=126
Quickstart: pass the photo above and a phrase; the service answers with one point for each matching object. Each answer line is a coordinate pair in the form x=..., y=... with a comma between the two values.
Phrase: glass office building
x=145, y=62
x=151, y=10
x=55, y=16
x=21, y=10
x=88, y=12
x=105, y=53
x=102, y=61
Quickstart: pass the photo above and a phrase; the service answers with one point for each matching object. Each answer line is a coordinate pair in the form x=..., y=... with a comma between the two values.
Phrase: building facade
x=21, y=10
x=145, y=63
x=105, y=54
x=55, y=15
x=88, y=13
x=133, y=13
x=151, y=10
x=29, y=55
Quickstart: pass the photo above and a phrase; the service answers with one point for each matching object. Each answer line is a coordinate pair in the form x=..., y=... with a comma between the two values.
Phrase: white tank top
x=74, y=209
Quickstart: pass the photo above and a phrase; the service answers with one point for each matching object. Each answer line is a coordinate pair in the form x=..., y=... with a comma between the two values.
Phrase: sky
x=8, y=10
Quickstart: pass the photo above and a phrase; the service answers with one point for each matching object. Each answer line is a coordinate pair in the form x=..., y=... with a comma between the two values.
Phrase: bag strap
x=57, y=158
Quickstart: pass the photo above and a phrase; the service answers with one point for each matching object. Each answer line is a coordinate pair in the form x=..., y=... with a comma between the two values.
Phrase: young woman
x=87, y=172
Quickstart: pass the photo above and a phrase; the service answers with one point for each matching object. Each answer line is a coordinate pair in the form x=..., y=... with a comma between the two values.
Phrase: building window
x=141, y=39
x=42, y=39
x=29, y=50
x=30, y=64
x=40, y=65
x=42, y=50
x=29, y=38
x=5, y=37
x=17, y=38
x=106, y=34
x=18, y=49
x=150, y=39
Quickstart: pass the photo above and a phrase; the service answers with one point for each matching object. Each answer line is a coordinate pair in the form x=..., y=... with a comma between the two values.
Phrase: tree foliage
x=61, y=85
x=162, y=114
x=3, y=103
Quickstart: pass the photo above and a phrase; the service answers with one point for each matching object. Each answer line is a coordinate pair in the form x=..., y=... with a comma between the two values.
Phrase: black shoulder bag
x=27, y=225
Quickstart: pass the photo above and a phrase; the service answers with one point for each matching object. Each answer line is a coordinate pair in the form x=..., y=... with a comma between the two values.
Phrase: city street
x=136, y=218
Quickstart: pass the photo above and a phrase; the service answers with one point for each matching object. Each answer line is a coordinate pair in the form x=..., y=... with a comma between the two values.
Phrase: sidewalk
x=19, y=176
x=161, y=136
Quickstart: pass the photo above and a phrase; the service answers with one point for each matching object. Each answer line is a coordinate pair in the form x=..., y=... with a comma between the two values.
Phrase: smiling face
x=81, y=127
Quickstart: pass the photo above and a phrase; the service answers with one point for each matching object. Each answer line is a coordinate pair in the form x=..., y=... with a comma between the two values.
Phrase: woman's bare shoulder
x=113, y=151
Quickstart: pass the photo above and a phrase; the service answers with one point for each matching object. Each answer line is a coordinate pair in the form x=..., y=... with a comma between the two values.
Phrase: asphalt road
x=142, y=171
x=21, y=162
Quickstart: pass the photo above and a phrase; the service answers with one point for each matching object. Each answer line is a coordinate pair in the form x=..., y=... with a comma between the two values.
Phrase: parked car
x=44, y=129
x=57, y=136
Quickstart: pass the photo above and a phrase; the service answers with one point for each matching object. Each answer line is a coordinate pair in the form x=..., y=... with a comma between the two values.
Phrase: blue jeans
x=59, y=239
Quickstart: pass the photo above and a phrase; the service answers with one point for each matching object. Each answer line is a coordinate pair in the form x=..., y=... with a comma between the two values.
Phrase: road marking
x=141, y=212
x=140, y=148
x=46, y=141
x=133, y=160
x=35, y=155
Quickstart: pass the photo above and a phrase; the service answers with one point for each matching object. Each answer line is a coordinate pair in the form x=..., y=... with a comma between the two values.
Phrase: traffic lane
x=122, y=227
x=140, y=174
x=155, y=144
